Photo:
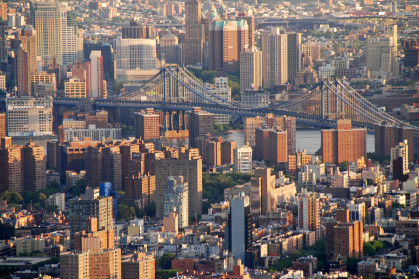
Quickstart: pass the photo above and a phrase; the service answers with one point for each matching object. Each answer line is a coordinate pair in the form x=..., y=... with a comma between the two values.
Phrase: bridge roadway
x=306, y=119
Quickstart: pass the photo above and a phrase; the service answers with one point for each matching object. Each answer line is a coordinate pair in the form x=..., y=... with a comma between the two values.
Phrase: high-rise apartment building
x=26, y=60
x=387, y=136
x=251, y=70
x=286, y=123
x=34, y=166
x=96, y=85
x=29, y=116
x=238, y=233
x=146, y=125
x=177, y=199
x=343, y=143
x=69, y=37
x=382, y=53
x=263, y=199
x=311, y=49
x=192, y=45
x=228, y=40
x=3, y=129
x=142, y=188
x=399, y=160
x=93, y=206
x=345, y=239
x=11, y=177
x=220, y=90
x=271, y=145
x=141, y=266
x=275, y=58
x=169, y=50
x=3, y=11
x=188, y=165
x=47, y=17
x=309, y=213
x=100, y=264
x=201, y=124
x=294, y=54
x=251, y=24
x=243, y=159
x=3, y=40
x=104, y=164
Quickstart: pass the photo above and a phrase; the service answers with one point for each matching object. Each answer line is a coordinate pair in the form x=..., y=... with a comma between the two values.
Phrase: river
x=308, y=139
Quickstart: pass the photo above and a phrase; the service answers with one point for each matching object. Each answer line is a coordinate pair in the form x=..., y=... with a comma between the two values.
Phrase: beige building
x=251, y=70
x=243, y=159
x=400, y=151
x=189, y=165
x=29, y=245
x=29, y=116
x=382, y=53
x=42, y=77
x=11, y=175
x=294, y=54
x=263, y=186
x=102, y=264
x=74, y=88
x=74, y=124
x=275, y=58
x=140, y=266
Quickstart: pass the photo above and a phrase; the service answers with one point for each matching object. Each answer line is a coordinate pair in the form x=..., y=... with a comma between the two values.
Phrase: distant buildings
x=343, y=143
x=275, y=58
x=387, y=136
x=29, y=116
x=220, y=92
x=93, y=133
x=382, y=53
x=192, y=45
x=251, y=70
x=228, y=40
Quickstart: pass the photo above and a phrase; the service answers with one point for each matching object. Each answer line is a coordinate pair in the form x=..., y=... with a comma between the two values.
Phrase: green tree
x=166, y=260
x=11, y=197
x=125, y=212
x=79, y=188
x=352, y=265
x=344, y=166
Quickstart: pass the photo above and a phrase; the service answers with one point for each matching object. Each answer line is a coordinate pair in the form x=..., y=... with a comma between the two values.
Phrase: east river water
x=308, y=139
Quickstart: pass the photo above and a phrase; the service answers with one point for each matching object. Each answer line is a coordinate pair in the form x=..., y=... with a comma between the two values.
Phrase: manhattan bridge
x=175, y=89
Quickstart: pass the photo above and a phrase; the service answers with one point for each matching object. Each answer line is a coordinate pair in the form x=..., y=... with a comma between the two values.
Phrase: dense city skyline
x=209, y=139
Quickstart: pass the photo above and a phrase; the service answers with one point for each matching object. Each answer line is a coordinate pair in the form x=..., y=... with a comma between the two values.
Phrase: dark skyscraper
x=192, y=45
x=201, y=123
x=387, y=136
